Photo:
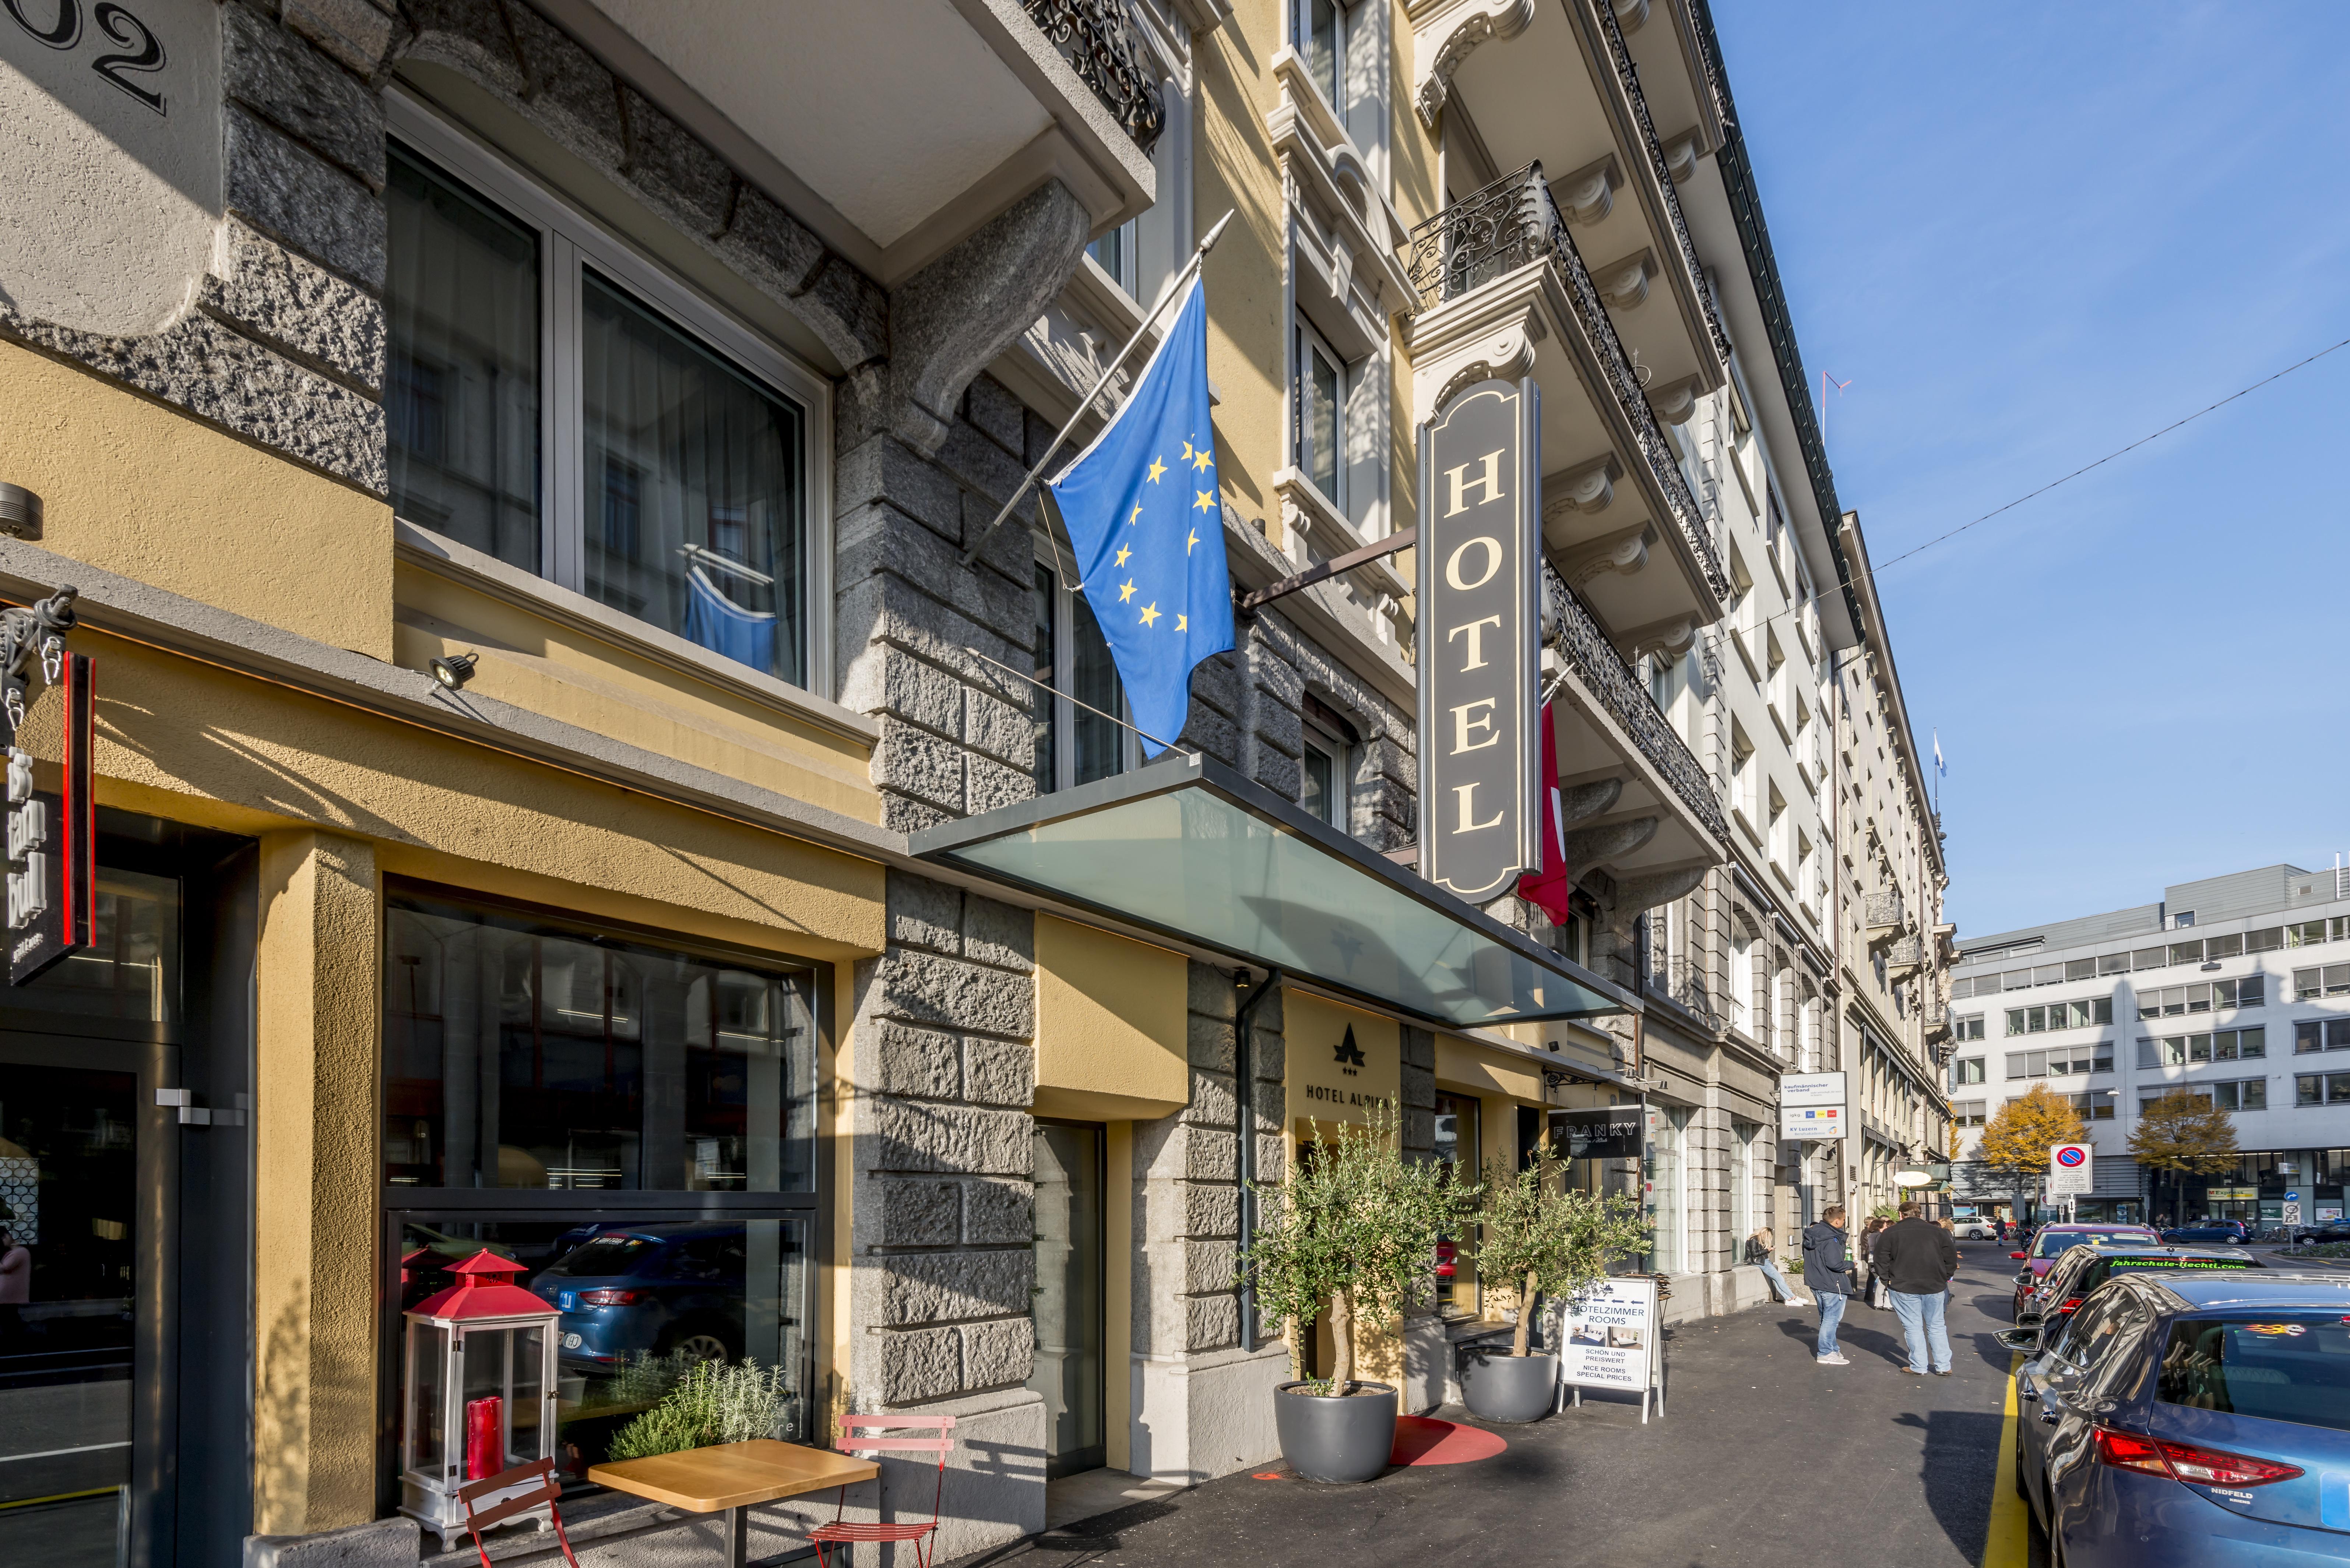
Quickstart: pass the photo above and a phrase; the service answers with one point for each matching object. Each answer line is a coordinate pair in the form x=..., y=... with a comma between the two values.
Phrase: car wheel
x=701, y=1345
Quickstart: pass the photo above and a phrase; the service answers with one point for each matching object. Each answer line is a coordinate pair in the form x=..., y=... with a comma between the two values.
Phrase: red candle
x=484, y=1453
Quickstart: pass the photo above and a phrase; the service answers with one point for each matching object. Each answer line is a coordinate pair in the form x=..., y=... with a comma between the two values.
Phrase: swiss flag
x=1550, y=889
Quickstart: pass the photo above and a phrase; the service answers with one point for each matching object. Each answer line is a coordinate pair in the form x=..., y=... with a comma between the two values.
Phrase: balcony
x=1557, y=82
x=1904, y=958
x=1503, y=291
x=1884, y=916
x=1634, y=798
x=896, y=128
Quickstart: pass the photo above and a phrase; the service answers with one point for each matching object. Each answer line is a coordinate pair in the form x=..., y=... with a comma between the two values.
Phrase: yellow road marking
x=2008, y=1544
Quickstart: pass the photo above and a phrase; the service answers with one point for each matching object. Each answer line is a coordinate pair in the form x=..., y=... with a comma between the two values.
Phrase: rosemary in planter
x=713, y=1403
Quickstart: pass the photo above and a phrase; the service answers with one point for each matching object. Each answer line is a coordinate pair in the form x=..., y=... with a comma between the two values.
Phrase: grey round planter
x=1503, y=1388
x=1346, y=1438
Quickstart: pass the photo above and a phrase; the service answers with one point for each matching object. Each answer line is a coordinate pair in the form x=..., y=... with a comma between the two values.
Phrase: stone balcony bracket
x=1668, y=639
x=1630, y=14
x=1625, y=550
x=1443, y=31
x=1677, y=400
x=1624, y=283
x=1588, y=487
x=1683, y=155
x=1588, y=195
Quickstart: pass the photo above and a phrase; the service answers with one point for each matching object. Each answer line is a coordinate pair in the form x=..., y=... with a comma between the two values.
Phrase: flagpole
x=1174, y=291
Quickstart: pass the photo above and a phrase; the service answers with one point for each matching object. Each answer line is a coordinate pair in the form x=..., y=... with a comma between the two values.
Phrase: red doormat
x=1423, y=1440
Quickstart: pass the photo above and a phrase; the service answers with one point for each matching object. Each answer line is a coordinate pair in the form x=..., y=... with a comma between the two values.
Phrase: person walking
x=1827, y=1275
x=1919, y=1259
x=1871, y=1287
x=1759, y=1249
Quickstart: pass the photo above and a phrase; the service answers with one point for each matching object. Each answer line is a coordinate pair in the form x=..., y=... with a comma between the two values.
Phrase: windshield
x=603, y=1257
x=2288, y=1366
x=2051, y=1242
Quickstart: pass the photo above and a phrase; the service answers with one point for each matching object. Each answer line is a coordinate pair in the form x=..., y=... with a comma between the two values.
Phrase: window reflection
x=130, y=972
x=518, y=1054
x=641, y=1302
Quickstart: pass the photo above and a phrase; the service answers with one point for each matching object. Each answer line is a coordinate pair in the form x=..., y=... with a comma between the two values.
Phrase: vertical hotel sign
x=1479, y=620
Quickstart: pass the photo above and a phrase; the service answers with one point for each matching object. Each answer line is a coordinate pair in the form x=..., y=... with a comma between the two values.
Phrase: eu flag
x=1142, y=508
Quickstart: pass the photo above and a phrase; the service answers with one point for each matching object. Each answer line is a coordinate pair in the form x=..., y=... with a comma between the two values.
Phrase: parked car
x=631, y=1290
x=2198, y=1235
x=1976, y=1231
x=2314, y=1235
x=2188, y=1418
x=2082, y=1269
x=2049, y=1244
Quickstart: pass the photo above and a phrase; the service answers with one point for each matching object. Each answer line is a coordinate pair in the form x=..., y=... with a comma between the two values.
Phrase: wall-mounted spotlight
x=455, y=669
x=20, y=512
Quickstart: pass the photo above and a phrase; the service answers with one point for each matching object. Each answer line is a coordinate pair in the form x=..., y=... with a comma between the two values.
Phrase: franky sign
x=1480, y=625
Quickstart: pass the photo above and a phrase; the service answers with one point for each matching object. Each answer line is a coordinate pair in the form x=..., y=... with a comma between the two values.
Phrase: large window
x=633, y=1122
x=1077, y=706
x=2083, y=1015
x=1325, y=33
x=2065, y=1062
x=2229, y=1095
x=2327, y=980
x=2313, y=1035
x=555, y=401
x=2322, y=1089
x=2186, y=1050
x=2218, y=995
x=1966, y=1070
x=1458, y=1148
x=1321, y=398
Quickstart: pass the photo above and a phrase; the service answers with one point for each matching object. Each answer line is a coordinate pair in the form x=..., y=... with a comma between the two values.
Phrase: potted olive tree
x=1539, y=1235
x=1350, y=1233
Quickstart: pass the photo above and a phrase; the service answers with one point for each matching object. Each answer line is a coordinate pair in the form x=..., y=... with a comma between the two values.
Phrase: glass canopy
x=1187, y=848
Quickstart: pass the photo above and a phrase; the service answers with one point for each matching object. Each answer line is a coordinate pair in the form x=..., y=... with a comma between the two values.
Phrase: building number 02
x=64, y=32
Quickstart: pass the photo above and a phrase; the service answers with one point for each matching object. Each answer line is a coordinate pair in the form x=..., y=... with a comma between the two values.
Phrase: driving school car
x=2082, y=1269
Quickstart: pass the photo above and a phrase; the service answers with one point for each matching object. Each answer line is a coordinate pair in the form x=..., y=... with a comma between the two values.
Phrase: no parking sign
x=2071, y=1169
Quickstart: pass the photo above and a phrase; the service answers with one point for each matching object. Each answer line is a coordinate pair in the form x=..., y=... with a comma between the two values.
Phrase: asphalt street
x=1763, y=1458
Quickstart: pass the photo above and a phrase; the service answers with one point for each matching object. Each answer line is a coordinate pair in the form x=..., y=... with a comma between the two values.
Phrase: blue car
x=2191, y=1418
x=626, y=1291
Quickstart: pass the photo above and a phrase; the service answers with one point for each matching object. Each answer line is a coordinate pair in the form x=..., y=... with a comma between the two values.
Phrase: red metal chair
x=839, y=1532
x=547, y=1492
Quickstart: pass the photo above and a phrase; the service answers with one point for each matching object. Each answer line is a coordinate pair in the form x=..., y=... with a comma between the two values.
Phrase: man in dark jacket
x=1917, y=1259
x=1827, y=1275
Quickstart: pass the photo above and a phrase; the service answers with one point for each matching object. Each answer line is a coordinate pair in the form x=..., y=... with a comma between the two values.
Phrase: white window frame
x=1310, y=342
x=1348, y=23
x=570, y=240
x=1064, y=707
x=1342, y=773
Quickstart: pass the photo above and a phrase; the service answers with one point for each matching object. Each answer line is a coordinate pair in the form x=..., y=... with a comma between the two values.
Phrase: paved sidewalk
x=1763, y=1458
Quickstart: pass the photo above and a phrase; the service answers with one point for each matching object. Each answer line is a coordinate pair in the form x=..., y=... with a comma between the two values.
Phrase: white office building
x=2236, y=987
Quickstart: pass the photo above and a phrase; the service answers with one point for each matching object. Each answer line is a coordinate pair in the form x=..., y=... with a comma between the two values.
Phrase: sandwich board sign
x=1610, y=1337
x=2071, y=1169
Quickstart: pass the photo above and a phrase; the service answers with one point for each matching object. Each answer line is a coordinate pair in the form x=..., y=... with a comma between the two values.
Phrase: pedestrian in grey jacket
x=1827, y=1275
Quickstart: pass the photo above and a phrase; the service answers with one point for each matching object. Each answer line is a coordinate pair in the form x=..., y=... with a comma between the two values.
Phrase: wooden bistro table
x=734, y=1477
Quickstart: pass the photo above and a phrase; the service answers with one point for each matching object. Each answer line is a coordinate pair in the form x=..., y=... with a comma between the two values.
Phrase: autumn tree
x=2185, y=1132
x=2017, y=1140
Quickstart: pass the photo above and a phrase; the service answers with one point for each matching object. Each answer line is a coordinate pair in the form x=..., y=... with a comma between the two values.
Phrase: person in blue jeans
x=1919, y=1259
x=1827, y=1275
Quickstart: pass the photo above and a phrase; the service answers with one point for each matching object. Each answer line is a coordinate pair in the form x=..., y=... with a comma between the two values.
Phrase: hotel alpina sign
x=1480, y=635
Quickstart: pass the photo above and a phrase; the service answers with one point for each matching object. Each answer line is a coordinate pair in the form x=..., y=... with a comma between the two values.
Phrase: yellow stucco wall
x=1324, y=1087
x=1110, y=1025
x=1233, y=170
x=317, y=1026
x=537, y=661
x=139, y=489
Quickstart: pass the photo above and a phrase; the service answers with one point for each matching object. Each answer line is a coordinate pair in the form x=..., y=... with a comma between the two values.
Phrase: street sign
x=1480, y=615
x=1811, y=1104
x=2071, y=1169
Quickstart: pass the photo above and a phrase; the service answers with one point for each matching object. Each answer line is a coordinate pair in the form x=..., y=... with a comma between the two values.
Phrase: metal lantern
x=479, y=1395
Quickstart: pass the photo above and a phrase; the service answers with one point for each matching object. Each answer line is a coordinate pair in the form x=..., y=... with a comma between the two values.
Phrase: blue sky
x=2027, y=235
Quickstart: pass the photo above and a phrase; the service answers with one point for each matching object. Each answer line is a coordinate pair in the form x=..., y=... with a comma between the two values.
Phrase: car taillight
x=2071, y=1303
x=2186, y=1462
x=610, y=1298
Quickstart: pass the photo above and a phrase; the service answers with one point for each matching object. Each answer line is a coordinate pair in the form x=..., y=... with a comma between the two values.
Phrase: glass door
x=1070, y=1294
x=69, y=1255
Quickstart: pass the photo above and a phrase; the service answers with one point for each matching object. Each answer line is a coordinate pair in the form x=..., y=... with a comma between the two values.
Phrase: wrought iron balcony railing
x=1884, y=911
x=1604, y=672
x=1629, y=75
x=1097, y=37
x=1511, y=223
